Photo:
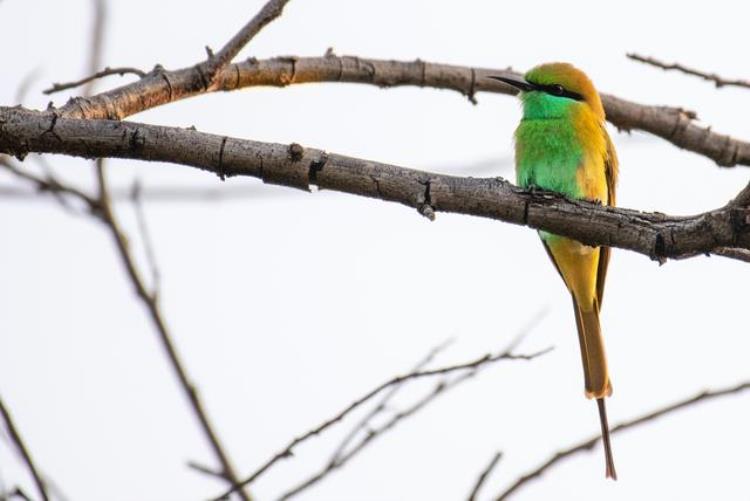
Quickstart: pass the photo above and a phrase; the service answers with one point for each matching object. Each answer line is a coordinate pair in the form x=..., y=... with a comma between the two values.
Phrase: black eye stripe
x=559, y=90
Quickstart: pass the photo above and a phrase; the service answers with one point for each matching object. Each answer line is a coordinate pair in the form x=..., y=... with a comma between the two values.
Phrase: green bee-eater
x=563, y=146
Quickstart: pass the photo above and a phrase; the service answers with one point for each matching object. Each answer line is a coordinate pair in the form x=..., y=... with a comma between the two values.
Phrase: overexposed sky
x=286, y=306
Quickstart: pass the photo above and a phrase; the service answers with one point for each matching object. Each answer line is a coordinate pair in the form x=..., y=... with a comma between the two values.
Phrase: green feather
x=548, y=149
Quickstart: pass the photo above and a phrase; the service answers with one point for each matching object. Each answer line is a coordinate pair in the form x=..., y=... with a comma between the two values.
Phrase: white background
x=286, y=306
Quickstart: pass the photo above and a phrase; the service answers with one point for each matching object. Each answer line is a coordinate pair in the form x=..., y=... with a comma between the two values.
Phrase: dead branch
x=57, y=87
x=15, y=437
x=711, y=77
x=161, y=87
x=150, y=298
x=591, y=442
x=470, y=366
x=270, y=11
x=656, y=235
x=483, y=476
x=439, y=389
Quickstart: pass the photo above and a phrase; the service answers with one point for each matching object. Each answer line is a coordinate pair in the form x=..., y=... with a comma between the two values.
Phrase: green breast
x=548, y=155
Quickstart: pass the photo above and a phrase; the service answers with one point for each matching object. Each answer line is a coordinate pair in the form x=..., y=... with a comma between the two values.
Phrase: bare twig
x=148, y=244
x=591, y=442
x=711, y=77
x=483, y=476
x=206, y=470
x=57, y=87
x=270, y=11
x=150, y=302
x=381, y=406
x=149, y=298
x=25, y=85
x=656, y=235
x=50, y=185
x=287, y=451
x=15, y=437
x=439, y=389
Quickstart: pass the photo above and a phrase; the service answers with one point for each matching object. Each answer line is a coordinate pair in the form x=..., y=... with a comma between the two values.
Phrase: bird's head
x=553, y=90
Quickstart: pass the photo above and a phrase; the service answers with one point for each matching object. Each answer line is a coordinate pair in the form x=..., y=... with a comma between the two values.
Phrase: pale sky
x=287, y=306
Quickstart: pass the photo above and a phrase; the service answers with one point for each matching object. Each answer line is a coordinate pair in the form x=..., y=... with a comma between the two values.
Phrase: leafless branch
x=711, y=77
x=25, y=85
x=591, y=442
x=15, y=437
x=672, y=124
x=656, y=235
x=287, y=451
x=57, y=87
x=483, y=476
x=439, y=389
x=381, y=406
x=270, y=11
x=149, y=298
x=148, y=244
x=150, y=301
x=206, y=470
x=50, y=185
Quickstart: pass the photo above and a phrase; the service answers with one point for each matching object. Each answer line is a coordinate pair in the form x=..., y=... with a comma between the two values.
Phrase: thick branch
x=719, y=81
x=161, y=87
x=656, y=235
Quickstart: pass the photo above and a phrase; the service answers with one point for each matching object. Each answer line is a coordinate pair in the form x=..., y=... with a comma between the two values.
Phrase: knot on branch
x=424, y=201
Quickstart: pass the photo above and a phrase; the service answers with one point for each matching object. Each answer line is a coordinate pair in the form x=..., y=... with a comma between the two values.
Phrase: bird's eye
x=557, y=90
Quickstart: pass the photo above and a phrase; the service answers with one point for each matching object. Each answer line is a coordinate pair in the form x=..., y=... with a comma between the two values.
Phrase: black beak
x=521, y=85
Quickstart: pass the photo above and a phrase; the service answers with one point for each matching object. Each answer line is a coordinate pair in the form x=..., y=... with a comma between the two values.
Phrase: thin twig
x=25, y=85
x=151, y=304
x=50, y=185
x=287, y=451
x=148, y=244
x=15, y=437
x=147, y=297
x=383, y=403
x=483, y=476
x=123, y=70
x=206, y=470
x=711, y=77
x=439, y=389
x=270, y=11
x=591, y=442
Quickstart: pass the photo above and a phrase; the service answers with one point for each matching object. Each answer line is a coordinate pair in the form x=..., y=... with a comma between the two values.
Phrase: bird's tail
x=595, y=374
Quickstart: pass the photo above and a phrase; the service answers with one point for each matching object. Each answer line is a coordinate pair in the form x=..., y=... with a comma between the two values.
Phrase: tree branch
x=656, y=235
x=150, y=301
x=270, y=11
x=57, y=87
x=483, y=476
x=711, y=77
x=591, y=442
x=15, y=437
x=160, y=87
x=287, y=451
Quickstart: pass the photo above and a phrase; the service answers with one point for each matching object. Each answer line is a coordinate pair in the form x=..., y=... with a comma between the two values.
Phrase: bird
x=562, y=145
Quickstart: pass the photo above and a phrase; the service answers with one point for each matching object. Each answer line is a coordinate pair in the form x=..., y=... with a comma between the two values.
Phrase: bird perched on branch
x=563, y=146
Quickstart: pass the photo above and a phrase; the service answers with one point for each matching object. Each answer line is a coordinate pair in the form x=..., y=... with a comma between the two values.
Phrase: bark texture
x=656, y=235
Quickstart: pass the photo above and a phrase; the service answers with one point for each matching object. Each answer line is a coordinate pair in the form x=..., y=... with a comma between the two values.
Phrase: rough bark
x=159, y=87
x=658, y=236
